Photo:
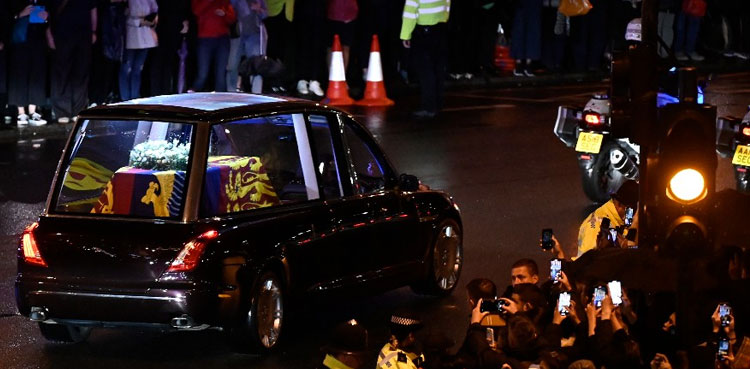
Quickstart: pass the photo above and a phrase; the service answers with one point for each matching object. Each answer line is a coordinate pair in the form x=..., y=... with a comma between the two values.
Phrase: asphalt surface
x=492, y=149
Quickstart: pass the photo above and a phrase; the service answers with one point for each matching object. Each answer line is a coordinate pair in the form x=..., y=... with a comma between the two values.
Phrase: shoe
x=681, y=56
x=528, y=73
x=518, y=72
x=315, y=88
x=468, y=75
x=423, y=114
x=302, y=87
x=92, y=105
x=455, y=76
x=22, y=120
x=36, y=120
x=63, y=120
x=729, y=53
x=742, y=56
x=698, y=57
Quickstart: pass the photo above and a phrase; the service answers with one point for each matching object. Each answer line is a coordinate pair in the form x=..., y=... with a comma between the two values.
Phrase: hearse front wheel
x=445, y=260
x=260, y=326
x=64, y=333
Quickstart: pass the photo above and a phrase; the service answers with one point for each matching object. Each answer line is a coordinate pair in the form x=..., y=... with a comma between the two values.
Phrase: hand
x=477, y=314
x=406, y=43
x=607, y=307
x=50, y=39
x=564, y=282
x=93, y=38
x=557, y=317
x=716, y=320
x=573, y=313
x=145, y=23
x=26, y=11
x=557, y=250
x=671, y=322
x=510, y=305
x=660, y=361
x=185, y=27
x=220, y=12
x=591, y=313
x=725, y=362
x=255, y=6
x=2, y=45
x=43, y=15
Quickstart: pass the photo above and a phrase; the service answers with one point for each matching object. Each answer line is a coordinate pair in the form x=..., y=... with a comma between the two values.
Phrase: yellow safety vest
x=589, y=229
x=423, y=13
x=388, y=358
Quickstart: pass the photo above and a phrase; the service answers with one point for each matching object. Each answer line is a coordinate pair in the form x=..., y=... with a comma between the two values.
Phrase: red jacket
x=209, y=23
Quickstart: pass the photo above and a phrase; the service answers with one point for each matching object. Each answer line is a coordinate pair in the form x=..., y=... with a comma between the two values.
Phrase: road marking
x=480, y=107
x=526, y=99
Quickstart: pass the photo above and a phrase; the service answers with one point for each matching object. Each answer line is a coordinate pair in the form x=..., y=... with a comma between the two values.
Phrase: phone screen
x=599, y=293
x=629, y=217
x=34, y=16
x=555, y=266
x=563, y=303
x=723, y=347
x=724, y=311
x=615, y=290
x=547, y=242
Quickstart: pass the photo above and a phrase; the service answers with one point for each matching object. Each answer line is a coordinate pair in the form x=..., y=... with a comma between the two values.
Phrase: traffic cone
x=337, y=93
x=375, y=88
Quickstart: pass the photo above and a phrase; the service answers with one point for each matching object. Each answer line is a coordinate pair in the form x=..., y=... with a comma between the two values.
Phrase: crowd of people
x=65, y=55
x=578, y=319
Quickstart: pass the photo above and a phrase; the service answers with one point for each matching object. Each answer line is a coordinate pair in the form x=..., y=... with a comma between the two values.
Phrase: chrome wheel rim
x=270, y=310
x=447, y=258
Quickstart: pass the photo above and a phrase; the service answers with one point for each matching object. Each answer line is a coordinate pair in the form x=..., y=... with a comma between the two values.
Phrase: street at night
x=492, y=149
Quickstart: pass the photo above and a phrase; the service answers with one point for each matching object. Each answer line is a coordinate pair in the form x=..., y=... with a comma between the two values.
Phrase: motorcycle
x=605, y=161
x=733, y=139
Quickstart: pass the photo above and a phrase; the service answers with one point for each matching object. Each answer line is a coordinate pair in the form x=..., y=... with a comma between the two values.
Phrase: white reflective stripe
x=412, y=3
x=437, y=9
x=337, y=72
x=374, y=71
x=429, y=1
x=386, y=359
x=410, y=15
x=305, y=156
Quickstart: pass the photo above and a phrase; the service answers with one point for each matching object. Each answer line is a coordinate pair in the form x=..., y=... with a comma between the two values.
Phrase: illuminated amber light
x=687, y=186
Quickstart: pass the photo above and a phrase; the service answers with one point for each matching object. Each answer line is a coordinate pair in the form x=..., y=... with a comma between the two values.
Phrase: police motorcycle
x=733, y=139
x=607, y=161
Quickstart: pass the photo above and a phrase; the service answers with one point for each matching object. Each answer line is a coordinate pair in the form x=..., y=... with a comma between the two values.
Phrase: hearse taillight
x=190, y=255
x=31, y=252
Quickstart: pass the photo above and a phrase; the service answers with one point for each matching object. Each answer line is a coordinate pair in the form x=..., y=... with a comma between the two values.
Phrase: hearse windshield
x=130, y=168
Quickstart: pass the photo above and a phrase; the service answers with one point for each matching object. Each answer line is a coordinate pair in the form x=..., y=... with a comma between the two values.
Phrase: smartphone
x=563, y=303
x=34, y=15
x=555, y=267
x=724, y=311
x=490, y=337
x=492, y=306
x=599, y=293
x=723, y=349
x=629, y=212
x=547, y=242
x=615, y=290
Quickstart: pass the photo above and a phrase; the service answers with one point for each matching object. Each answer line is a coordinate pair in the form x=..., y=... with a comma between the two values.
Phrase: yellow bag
x=571, y=8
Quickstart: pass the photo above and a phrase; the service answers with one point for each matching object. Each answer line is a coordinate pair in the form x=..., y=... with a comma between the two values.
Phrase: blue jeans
x=214, y=49
x=247, y=46
x=130, y=73
x=526, y=35
x=686, y=36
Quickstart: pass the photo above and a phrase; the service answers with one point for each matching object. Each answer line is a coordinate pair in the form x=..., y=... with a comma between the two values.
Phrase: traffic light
x=682, y=174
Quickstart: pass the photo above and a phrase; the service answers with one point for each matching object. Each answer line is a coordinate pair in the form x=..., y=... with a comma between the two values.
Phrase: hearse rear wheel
x=445, y=261
x=64, y=332
x=260, y=327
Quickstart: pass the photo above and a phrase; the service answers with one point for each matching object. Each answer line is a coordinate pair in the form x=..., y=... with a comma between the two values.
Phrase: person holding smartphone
x=590, y=232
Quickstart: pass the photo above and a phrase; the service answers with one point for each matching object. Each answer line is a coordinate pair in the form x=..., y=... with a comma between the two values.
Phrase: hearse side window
x=326, y=162
x=368, y=170
x=257, y=163
x=126, y=168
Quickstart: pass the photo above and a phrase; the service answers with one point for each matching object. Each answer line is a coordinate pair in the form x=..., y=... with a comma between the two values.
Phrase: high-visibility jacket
x=423, y=13
x=393, y=358
x=276, y=6
x=589, y=229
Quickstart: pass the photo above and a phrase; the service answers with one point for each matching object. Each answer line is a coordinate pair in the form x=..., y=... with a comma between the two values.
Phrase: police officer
x=401, y=351
x=347, y=346
x=615, y=210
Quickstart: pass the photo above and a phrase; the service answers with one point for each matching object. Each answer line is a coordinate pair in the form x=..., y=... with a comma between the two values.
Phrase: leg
x=126, y=67
x=518, y=35
x=679, y=42
x=203, y=54
x=233, y=62
x=18, y=93
x=693, y=27
x=220, y=69
x=61, y=78
x=80, y=76
x=426, y=70
x=533, y=29
x=139, y=58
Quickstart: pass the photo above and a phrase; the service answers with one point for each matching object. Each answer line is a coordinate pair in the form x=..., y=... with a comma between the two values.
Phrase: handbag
x=695, y=8
x=20, y=30
x=572, y=8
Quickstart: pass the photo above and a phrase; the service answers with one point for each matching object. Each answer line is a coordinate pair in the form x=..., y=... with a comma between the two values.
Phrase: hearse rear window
x=126, y=168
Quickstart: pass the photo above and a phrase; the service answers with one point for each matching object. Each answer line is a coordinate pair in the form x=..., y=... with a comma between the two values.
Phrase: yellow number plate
x=742, y=156
x=589, y=142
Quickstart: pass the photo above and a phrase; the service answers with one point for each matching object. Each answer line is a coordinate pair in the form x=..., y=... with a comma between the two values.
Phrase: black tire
x=260, y=325
x=64, y=333
x=445, y=261
x=603, y=179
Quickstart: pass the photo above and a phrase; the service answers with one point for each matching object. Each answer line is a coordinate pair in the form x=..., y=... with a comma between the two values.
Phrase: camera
x=615, y=290
x=600, y=292
x=492, y=306
x=629, y=212
x=555, y=267
x=547, y=242
x=724, y=312
x=563, y=303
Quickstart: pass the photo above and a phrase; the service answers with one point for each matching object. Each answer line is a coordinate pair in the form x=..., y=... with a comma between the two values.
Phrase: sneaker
x=743, y=56
x=302, y=87
x=22, y=120
x=528, y=73
x=92, y=105
x=455, y=76
x=697, y=57
x=63, y=120
x=681, y=56
x=36, y=120
x=518, y=72
x=315, y=88
x=468, y=75
x=423, y=114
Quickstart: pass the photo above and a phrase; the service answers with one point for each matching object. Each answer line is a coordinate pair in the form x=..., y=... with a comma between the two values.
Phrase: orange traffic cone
x=337, y=93
x=375, y=89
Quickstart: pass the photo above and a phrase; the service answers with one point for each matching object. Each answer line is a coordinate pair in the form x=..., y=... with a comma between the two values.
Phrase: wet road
x=493, y=150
